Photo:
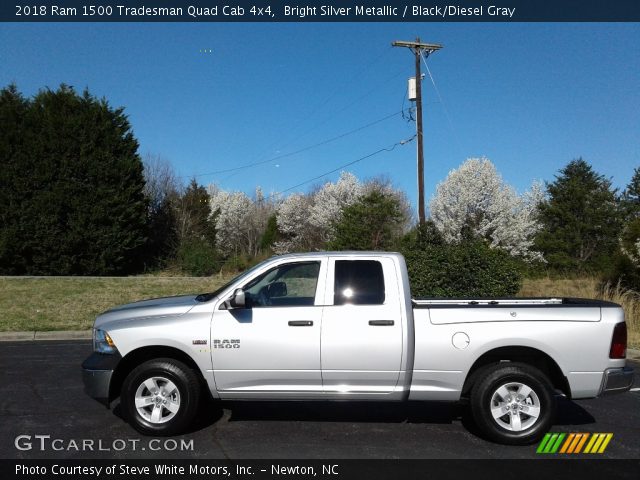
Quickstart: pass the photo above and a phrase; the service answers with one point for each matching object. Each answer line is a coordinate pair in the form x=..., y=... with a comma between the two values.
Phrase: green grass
x=72, y=303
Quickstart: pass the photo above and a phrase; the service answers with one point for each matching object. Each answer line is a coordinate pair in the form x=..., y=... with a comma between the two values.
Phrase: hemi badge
x=199, y=342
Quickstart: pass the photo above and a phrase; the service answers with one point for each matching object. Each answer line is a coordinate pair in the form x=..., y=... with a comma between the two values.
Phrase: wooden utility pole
x=419, y=49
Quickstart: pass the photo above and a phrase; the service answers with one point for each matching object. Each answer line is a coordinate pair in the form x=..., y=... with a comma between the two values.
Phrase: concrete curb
x=54, y=335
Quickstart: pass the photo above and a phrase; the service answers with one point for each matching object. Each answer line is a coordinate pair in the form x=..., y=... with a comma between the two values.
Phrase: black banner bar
x=319, y=11
x=578, y=468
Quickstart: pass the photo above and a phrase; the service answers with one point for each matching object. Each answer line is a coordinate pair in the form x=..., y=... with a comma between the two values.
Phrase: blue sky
x=530, y=97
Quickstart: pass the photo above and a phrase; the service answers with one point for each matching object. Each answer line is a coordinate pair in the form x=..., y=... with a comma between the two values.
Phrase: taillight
x=619, y=341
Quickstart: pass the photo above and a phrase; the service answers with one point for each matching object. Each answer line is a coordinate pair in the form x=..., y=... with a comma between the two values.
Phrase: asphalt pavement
x=44, y=413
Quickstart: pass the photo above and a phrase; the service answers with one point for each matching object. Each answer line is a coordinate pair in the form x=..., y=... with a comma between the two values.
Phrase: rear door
x=361, y=338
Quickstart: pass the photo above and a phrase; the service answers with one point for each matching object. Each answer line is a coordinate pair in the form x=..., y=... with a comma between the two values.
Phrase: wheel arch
x=140, y=355
x=522, y=354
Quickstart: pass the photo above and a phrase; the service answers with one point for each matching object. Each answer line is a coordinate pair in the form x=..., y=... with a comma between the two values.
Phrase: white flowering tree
x=293, y=223
x=240, y=221
x=330, y=200
x=475, y=197
x=307, y=222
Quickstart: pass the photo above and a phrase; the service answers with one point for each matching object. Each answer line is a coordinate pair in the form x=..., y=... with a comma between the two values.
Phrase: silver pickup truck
x=343, y=326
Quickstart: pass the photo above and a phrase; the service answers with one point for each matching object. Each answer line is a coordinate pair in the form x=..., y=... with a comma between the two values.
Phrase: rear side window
x=358, y=282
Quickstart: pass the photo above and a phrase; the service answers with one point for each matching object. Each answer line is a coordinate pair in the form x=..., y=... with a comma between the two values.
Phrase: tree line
x=76, y=198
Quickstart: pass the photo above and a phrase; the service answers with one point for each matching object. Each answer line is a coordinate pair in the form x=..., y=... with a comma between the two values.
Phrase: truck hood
x=157, y=307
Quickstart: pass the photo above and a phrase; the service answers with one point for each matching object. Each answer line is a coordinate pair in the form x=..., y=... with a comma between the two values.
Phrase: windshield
x=205, y=297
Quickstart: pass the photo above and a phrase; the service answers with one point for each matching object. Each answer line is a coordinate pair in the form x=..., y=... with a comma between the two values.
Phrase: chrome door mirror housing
x=238, y=299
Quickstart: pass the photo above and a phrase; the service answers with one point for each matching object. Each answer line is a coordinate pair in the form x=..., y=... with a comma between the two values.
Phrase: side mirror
x=238, y=299
x=277, y=289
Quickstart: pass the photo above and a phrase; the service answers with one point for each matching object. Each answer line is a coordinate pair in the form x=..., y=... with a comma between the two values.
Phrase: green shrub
x=198, y=257
x=240, y=263
x=421, y=236
x=470, y=269
x=624, y=272
x=625, y=264
x=270, y=235
x=372, y=222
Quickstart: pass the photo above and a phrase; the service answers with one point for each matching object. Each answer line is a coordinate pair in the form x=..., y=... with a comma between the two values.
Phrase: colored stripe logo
x=569, y=443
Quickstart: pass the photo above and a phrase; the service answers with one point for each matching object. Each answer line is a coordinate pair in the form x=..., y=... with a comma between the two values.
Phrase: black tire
x=509, y=430
x=186, y=396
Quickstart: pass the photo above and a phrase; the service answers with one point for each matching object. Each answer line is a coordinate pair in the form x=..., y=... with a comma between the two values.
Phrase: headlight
x=102, y=342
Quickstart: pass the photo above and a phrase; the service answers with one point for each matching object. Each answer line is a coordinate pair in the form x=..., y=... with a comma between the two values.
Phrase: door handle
x=381, y=323
x=300, y=323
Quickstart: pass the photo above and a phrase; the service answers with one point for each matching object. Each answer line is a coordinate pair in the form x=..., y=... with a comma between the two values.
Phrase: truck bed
x=519, y=302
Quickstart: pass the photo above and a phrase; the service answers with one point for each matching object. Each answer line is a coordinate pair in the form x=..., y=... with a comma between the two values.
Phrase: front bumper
x=97, y=371
x=616, y=380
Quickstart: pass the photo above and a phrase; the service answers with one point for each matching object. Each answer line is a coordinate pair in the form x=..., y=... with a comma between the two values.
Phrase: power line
x=285, y=155
x=387, y=149
x=345, y=107
x=350, y=82
x=314, y=126
x=444, y=107
x=321, y=104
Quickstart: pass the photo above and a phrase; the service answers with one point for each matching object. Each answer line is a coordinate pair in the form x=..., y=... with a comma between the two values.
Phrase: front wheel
x=513, y=404
x=160, y=397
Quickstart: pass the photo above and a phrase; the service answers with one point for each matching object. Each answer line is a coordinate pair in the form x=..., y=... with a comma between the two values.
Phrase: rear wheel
x=513, y=404
x=160, y=397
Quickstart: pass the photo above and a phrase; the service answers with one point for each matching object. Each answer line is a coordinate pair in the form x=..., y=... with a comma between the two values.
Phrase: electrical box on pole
x=411, y=89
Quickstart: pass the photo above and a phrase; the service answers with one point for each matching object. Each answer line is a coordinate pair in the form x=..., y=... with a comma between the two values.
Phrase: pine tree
x=194, y=214
x=631, y=195
x=13, y=134
x=580, y=218
x=72, y=179
x=270, y=235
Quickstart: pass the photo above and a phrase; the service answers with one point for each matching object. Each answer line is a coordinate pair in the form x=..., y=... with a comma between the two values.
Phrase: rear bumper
x=616, y=380
x=97, y=371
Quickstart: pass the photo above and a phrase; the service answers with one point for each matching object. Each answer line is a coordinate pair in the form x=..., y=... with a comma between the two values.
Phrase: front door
x=273, y=345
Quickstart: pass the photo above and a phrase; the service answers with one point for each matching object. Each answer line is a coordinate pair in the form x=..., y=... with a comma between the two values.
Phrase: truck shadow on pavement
x=211, y=412
x=569, y=413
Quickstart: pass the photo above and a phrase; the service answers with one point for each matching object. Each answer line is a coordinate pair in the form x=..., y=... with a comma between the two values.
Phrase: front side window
x=288, y=285
x=358, y=282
